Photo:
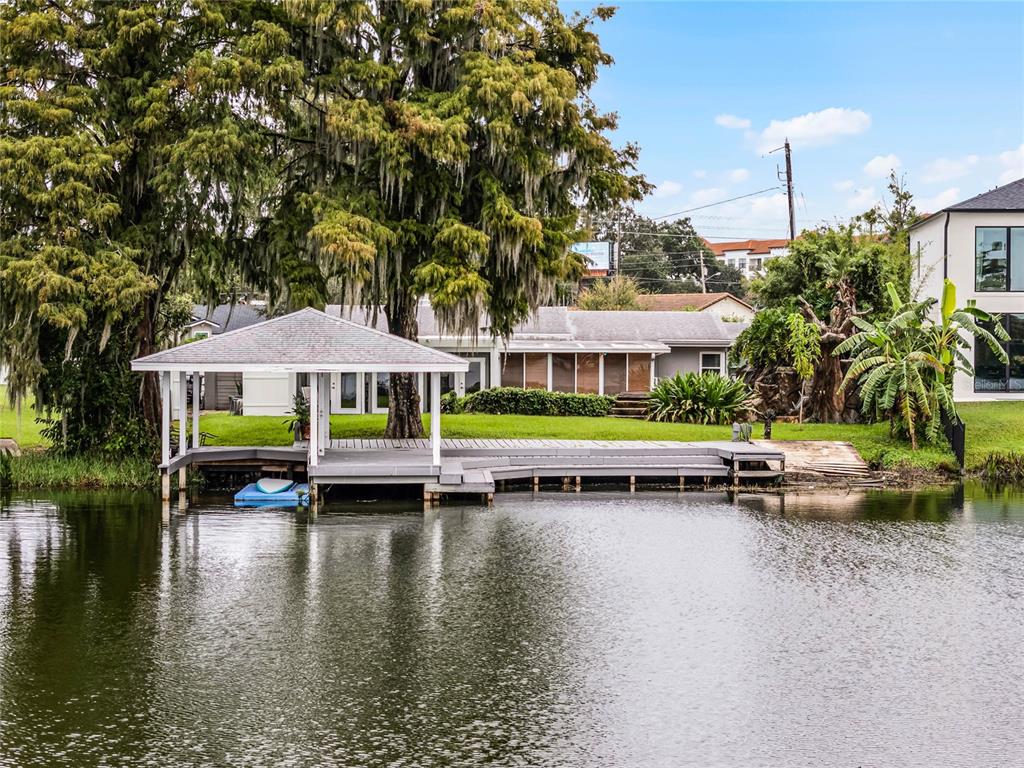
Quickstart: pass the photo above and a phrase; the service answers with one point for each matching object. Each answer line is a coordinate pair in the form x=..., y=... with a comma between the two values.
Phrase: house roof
x=684, y=301
x=228, y=317
x=568, y=329
x=1009, y=197
x=752, y=246
x=306, y=340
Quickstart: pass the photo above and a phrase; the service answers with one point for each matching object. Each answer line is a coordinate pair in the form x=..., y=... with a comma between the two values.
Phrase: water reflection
x=658, y=629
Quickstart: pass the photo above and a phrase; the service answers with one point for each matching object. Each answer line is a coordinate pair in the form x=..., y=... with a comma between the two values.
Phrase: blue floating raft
x=284, y=494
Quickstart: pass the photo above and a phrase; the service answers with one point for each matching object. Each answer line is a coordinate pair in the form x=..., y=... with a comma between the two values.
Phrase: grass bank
x=39, y=469
x=991, y=428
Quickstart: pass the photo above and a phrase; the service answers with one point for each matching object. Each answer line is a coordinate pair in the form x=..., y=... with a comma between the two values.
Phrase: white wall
x=685, y=360
x=926, y=251
x=266, y=394
x=729, y=307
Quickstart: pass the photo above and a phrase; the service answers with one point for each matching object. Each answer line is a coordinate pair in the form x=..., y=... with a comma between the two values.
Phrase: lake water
x=823, y=629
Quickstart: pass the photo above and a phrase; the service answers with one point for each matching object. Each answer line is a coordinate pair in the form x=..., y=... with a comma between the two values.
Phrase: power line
x=720, y=202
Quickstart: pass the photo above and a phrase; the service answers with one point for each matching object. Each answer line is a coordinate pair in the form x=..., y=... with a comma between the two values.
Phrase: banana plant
x=904, y=364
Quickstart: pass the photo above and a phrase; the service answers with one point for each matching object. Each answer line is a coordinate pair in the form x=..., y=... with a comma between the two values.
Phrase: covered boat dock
x=313, y=345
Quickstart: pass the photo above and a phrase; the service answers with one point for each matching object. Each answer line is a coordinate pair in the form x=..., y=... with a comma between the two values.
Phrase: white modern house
x=749, y=256
x=559, y=349
x=979, y=245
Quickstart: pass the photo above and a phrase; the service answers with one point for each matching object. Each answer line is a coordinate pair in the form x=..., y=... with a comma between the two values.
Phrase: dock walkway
x=475, y=465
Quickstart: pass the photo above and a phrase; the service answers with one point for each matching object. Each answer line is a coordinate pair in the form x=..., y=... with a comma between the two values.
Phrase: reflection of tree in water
x=456, y=655
x=836, y=534
x=78, y=624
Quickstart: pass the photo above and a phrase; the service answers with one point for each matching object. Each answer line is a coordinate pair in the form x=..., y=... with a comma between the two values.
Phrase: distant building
x=979, y=245
x=725, y=305
x=749, y=256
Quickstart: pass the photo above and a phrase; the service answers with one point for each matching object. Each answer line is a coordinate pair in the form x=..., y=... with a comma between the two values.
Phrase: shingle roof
x=672, y=328
x=682, y=301
x=1009, y=197
x=307, y=340
x=229, y=317
x=582, y=328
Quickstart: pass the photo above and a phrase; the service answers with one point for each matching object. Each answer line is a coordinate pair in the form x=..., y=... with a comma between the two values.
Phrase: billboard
x=598, y=254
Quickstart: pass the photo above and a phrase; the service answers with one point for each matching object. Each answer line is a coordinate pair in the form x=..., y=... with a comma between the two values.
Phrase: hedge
x=529, y=402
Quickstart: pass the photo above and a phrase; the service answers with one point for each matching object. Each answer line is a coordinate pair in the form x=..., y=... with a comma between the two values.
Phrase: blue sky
x=934, y=89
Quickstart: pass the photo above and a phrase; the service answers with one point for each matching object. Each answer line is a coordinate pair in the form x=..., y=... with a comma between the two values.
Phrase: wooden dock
x=476, y=466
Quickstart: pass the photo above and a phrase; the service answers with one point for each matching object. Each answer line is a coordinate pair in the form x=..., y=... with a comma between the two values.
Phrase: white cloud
x=944, y=199
x=878, y=167
x=705, y=196
x=731, y=121
x=815, y=128
x=862, y=200
x=1013, y=165
x=945, y=169
x=700, y=174
x=739, y=174
x=668, y=189
x=845, y=185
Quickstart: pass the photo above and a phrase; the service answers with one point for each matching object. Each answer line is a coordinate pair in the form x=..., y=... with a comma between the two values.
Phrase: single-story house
x=219, y=388
x=559, y=349
x=725, y=305
x=979, y=245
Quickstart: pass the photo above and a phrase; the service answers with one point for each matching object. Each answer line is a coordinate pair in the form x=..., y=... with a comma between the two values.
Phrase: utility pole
x=613, y=257
x=789, y=186
x=789, y=191
x=703, y=274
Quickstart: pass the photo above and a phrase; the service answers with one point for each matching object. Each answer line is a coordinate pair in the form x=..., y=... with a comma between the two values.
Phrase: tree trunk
x=404, y=407
x=149, y=390
x=826, y=403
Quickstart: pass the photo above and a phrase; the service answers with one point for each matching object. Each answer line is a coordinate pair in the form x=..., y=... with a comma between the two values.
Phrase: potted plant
x=299, y=421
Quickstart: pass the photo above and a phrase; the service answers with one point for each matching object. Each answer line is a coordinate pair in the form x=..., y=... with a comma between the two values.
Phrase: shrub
x=536, y=402
x=707, y=398
x=1004, y=467
x=451, y=402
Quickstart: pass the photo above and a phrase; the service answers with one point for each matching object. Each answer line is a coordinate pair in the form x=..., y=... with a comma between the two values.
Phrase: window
x=614, y=374
x=563, y=372
x=755, y=265
x=587, y=372
x=536, y=370
x=999, y=258
x=512, y=370
x=710, y=362
x=993, y=375
x=639, y=372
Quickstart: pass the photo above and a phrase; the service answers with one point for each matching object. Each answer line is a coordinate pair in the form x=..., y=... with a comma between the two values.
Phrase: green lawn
x=990, y=427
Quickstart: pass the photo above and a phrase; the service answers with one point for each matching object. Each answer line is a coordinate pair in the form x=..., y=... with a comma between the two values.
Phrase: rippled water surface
x=559, y=630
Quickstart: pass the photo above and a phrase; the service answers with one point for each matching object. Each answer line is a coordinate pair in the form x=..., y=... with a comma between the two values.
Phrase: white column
x=197, y=385
x=325, y=399
x=314, y=419
x=600, y=373
x=182, y=412
x=165, y=417
x=654, y=362
x=435, y=418
x=550, y=373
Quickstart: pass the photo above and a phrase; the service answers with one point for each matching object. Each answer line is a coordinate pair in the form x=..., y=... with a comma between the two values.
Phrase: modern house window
x=710, y=362
x=993, y=375
x=999, y=258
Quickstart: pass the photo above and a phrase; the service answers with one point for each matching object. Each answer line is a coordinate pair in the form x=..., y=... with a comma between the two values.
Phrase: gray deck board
x=472, y=465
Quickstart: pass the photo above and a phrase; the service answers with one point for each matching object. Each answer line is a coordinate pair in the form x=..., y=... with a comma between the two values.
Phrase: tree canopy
x=380, y=150
x=667, y=256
